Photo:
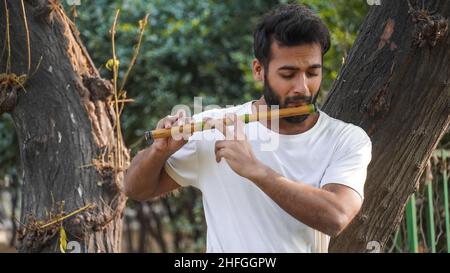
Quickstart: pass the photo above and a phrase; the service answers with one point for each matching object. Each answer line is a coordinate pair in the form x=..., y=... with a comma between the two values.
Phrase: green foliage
x=343, y=18
x=191, y=48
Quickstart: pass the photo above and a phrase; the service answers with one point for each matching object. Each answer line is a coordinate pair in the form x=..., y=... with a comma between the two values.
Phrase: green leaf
x=62, y=240
x=110, y=63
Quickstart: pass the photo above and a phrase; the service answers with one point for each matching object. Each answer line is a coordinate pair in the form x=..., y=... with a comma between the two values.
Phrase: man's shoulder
x=344, y=130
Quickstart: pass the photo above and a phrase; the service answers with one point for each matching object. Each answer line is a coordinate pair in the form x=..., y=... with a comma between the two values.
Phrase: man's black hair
x=289, y=25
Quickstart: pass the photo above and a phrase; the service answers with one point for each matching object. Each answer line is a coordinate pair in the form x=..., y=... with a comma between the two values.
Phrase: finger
x=217, y=152
x=175, y=128
x=181, y=112
x=180, y=120
x=239, y=129
x=238, y=132
x=220, y=144
x=207, y=123
x=226, y=153
x=187, y=129
x=184, y=121
x=235, y=126
x=221, y=153
x=210, y=123
x=169, y=121
x=222, y=127
x=162, y=122
x=233, y=132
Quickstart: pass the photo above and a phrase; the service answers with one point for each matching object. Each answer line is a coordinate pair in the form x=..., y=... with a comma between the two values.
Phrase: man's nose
x=301, y=85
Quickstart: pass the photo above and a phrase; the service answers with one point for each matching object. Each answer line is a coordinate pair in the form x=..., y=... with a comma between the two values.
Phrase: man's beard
x=272, y=98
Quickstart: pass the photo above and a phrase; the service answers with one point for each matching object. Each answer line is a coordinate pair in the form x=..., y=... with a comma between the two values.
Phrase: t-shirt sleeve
x=349, y=163
x=182, y=166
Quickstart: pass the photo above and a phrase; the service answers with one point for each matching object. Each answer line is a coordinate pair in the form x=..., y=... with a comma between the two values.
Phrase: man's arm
x=329, y=209
x=146, y=177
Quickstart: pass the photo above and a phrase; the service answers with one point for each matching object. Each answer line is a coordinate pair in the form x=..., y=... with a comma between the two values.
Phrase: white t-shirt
x=240, y=217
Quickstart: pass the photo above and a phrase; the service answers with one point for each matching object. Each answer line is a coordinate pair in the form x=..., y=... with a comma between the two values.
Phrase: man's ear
x=258, y=70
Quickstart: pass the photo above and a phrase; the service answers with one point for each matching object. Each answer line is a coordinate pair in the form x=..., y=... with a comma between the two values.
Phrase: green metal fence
x=426, y=225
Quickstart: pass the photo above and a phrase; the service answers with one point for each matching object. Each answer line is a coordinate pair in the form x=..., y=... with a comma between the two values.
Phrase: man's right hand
x=146, y=177
x=168, y=146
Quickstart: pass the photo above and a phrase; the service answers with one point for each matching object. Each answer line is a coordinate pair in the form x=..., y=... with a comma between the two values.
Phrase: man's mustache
x=298, y=99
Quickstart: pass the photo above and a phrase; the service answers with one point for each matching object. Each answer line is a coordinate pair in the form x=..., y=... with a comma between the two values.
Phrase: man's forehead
x=295, y=56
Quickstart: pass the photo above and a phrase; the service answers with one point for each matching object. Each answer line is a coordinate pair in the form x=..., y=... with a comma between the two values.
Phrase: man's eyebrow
x=288, y=67
x=295, y=68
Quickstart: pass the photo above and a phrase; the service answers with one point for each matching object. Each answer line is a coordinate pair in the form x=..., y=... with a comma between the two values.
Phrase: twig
x=142, y=24
x=18, y=221
x=86, y=166
x=37, y=67
x=136, y=143
x=90, y=206
x=125, y=100
x=27, y=34
x=137, y=48
x=8, y=40
x=118, y=159
x=74, y=12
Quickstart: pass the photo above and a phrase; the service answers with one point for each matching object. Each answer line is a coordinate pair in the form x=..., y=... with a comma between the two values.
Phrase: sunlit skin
x=295, y=70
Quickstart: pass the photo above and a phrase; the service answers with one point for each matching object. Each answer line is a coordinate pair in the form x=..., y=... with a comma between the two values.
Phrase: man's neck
x=284, y=127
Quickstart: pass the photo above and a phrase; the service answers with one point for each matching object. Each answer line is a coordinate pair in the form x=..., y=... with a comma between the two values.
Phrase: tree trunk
x=66, y=128
x=395, y=84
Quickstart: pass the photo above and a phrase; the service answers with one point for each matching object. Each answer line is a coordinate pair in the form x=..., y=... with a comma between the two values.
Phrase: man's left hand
x=236, y=150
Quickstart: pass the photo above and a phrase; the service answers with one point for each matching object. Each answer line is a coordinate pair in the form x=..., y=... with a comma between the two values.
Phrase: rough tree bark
x=395, y=84
x=66, y=128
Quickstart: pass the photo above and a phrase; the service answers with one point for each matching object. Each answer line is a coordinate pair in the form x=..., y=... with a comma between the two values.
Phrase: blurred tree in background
x=192, y=48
